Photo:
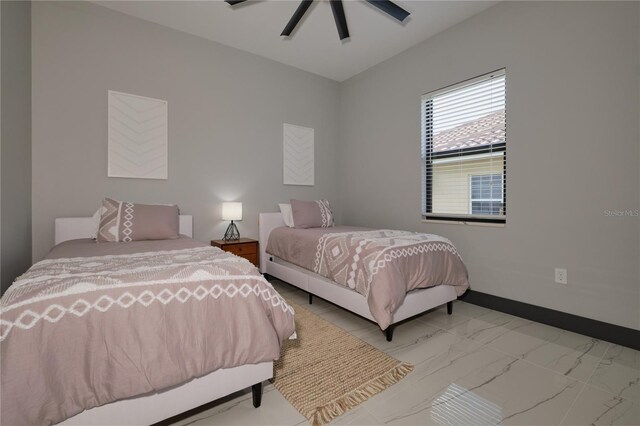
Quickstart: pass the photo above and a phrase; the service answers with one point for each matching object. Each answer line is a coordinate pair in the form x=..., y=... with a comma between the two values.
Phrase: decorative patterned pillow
x=311, y=214
x=123, y=221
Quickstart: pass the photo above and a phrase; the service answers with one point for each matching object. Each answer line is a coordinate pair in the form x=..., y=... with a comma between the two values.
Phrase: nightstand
x=244, y=247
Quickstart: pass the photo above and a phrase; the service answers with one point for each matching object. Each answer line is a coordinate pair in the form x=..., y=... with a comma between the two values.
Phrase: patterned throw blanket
x=354, y=259
x=81, y=332
x=383, y=265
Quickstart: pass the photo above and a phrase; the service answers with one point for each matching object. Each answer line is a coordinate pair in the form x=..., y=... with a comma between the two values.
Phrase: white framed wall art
x=298, y=155
x=137, y=137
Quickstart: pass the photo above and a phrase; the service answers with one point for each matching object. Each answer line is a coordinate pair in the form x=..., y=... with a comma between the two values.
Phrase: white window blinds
x=463, y=146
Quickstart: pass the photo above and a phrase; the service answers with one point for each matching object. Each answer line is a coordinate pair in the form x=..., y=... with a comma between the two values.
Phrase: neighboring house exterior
x=468, y=173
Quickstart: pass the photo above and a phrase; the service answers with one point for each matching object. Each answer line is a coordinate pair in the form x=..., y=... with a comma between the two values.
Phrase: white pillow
x=287, y=214
x=96, y=223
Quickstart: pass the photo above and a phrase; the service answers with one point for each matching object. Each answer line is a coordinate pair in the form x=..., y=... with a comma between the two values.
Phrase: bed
x=300, y=271
x=65, y=357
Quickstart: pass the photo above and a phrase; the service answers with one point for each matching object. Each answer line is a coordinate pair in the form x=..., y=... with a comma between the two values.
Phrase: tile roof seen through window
x=484, y=131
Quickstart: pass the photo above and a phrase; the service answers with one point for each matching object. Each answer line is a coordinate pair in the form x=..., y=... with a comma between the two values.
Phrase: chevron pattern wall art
x=298, y=160
x=138, y=136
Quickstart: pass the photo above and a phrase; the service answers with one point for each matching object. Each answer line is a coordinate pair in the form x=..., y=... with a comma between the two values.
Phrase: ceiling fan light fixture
x=337, y=9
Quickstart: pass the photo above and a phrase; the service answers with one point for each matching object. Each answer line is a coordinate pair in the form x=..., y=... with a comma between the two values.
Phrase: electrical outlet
x=561, y=276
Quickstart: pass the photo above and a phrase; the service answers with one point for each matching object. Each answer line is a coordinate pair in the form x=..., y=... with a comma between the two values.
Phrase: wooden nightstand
x=244, y=247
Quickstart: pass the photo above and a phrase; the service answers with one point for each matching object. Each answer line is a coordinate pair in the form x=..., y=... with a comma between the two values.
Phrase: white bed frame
x=155, y=407
x=152, y=408
x=415, y=303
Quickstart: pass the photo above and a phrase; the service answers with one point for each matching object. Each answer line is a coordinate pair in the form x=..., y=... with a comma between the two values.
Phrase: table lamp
x=232, y=211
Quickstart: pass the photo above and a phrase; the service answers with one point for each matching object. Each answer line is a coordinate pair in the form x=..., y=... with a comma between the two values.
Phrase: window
x=486, y=194
x=464, y=151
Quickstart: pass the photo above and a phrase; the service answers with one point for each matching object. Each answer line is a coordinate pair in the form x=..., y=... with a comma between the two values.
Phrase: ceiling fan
x=386, y=6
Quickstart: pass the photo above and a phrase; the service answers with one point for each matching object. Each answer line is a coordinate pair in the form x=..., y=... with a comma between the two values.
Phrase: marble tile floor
x=475, y=367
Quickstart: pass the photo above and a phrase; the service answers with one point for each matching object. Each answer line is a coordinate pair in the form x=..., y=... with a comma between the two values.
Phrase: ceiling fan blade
x=390, y=9
x=234, y=2
x=297, y=16
x=341, y=21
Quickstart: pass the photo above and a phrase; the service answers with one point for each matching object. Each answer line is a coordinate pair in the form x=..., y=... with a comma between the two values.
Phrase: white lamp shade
x=231, y=211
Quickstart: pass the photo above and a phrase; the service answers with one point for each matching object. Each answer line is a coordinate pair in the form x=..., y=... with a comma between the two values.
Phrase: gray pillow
x=124, y=221
x=311, y=214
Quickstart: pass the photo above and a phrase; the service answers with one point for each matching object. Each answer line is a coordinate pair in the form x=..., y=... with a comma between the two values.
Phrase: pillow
x=311, y=214
x=123, y=221
x=96, y=223
x=287, y=214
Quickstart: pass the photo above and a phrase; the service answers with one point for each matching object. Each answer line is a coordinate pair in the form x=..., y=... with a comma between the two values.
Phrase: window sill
x=464, y=222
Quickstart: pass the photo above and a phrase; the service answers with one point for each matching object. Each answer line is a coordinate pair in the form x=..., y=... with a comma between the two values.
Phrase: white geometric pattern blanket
x=80, y=332
x=354, y=259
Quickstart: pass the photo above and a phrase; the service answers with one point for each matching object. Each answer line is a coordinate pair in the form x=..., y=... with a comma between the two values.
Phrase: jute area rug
x=326, y=371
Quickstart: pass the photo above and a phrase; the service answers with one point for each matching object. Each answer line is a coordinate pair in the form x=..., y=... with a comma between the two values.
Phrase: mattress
x=383, y=265
x=98, y=322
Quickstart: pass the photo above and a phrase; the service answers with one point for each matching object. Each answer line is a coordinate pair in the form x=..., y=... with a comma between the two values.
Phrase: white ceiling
x=314, y=46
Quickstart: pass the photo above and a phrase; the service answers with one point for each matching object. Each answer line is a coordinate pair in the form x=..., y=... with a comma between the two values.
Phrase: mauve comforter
x=94, y=323
x=381, y=264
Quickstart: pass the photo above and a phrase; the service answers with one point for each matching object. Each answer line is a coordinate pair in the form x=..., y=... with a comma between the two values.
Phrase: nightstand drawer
x=242, y=249
x=253, y=258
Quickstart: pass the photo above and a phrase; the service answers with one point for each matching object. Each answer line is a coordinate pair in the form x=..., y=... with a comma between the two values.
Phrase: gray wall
x=15, y=145
x=573, y=151
x=226, y=110
x=573, y=129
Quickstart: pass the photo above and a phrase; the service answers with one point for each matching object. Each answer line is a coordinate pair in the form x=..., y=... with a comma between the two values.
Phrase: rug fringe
x=337, y=407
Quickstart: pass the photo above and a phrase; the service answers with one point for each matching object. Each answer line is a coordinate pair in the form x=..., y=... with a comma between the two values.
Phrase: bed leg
x=310, y=299
x=256, y=391
x=389, y=333
x=449, y=308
